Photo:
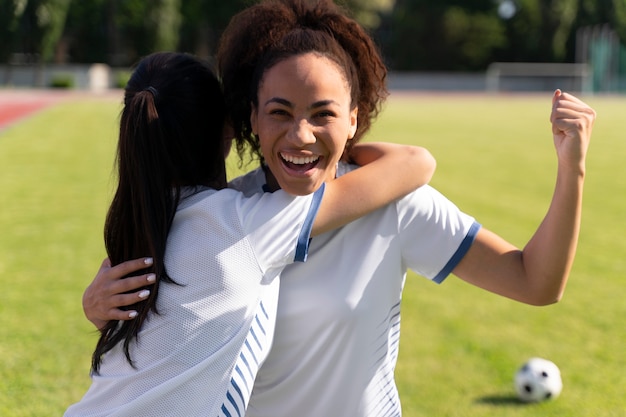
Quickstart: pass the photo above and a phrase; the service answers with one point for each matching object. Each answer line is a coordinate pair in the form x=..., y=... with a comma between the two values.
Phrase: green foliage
x=204, y=21
x=89, y=30
x=611, y=12
x=10, y=14
x=618, y=20
x=51, y=16
x=459, y=345
x=474, y=35
x=444, y=35
x=166, y=18
x=448, y=35
x=62, y=81
x=456, y=35
x=121, y=78
x=368, y=12
x=541, y=31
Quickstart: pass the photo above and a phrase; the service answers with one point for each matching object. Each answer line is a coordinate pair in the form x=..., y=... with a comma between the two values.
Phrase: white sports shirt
x=338, y=325
x=200, y=355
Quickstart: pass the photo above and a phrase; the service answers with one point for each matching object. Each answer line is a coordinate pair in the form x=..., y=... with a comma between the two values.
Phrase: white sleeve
x=435, y=233
x=278, y=226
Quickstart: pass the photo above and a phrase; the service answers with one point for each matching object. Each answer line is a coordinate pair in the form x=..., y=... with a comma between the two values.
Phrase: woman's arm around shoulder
x=388, y=172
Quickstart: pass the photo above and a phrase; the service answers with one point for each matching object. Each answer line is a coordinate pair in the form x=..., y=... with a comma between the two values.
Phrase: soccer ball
x=538, y=380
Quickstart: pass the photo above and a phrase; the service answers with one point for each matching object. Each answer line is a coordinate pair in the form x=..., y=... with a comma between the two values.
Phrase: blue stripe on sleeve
x=302, y=250
x=459, y=254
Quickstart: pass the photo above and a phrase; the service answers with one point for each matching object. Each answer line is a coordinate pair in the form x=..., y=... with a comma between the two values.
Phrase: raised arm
x=388, y=172
x=538, y=274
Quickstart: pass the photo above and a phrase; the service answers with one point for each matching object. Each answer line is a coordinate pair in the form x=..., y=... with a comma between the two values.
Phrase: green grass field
x=460, y=346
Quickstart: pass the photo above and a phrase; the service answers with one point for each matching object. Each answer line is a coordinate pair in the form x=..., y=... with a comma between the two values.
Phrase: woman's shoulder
x=249, y=183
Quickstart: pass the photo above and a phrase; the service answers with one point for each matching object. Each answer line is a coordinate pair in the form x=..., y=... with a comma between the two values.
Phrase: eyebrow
x=289, y=104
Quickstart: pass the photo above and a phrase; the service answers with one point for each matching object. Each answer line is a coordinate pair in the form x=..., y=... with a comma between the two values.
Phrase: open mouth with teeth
x=299, y=163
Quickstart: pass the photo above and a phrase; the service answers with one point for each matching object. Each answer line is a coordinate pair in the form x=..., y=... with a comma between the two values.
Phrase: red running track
x=11, y=112
x=16, y=105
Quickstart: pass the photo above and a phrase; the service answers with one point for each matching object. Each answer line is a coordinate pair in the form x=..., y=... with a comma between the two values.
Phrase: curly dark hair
x=271, y=31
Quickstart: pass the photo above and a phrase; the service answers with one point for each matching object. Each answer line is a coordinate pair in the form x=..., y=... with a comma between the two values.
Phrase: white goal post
x=538, y=76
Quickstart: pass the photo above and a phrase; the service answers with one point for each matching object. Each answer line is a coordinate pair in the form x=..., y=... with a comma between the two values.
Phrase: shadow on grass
x=501, y=400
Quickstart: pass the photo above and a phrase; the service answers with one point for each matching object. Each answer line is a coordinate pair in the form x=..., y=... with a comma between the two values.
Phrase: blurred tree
x=118, y=32
x=413, y=34
x=597, y=12
x=539, y=31
x=88, y=31
x=38, y=28
x=51, y=15
x=164, y=18
x=619, y=19
x=33, y=27
x=135, y=22
x=468, y=35
x=441, y=34
x=203, y=23
x=368, y=12
x=10, y=15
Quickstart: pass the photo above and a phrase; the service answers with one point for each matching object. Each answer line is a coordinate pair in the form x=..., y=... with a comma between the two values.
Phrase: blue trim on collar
x=302, y=250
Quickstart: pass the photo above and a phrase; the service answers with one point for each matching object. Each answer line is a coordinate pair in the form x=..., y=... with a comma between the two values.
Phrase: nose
x=301, y=133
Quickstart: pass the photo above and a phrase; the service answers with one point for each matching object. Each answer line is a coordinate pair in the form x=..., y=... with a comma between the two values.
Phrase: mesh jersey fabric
x=200, y=355
x=338, y=324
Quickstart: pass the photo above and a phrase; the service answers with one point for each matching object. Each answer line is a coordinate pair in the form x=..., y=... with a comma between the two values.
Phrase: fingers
x=128, y=267
x=571, y=113
x=572, y=123
x=557, y=93
x=104, y=297
x=119, y=286
x=565, y=101
x=119, y=315
x=101, y=309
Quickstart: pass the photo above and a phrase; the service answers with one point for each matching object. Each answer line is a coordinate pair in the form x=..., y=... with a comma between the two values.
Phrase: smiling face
x=303, y=120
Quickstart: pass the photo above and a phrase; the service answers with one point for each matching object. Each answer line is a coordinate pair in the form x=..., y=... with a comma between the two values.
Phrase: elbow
x=423, y=159
x=545, y=289
x=545, y=298
x=544, y=302
x=556, y=298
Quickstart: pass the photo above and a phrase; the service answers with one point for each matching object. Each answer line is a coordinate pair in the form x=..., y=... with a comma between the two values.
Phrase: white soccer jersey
x=338, y=324
x=200, y=355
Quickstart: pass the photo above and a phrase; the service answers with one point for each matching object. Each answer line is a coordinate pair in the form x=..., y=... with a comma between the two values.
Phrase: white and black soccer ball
x=538, y=380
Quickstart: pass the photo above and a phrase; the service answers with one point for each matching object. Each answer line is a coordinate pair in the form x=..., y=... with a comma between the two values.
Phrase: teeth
x=299, y=160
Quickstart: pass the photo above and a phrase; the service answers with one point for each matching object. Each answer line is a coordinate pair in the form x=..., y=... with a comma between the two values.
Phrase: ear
x=253, y=118
x=353, y=122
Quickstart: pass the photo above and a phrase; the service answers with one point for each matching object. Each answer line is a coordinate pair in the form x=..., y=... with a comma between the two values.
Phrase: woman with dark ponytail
x=201, y=334
x=173, y=113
